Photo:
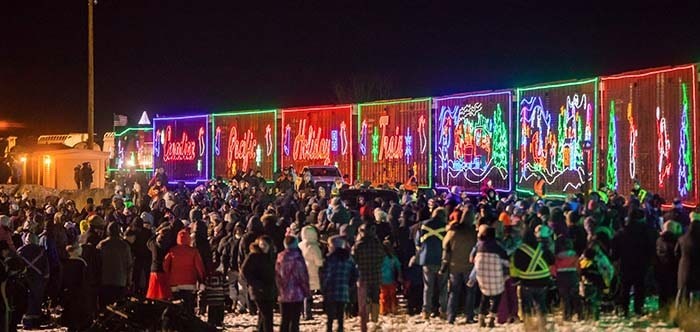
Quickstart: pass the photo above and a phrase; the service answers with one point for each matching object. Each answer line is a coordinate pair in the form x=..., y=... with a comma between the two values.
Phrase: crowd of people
x=246, y=246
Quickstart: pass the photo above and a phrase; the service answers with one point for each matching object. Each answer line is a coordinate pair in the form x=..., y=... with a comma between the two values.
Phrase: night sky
x=179, y=57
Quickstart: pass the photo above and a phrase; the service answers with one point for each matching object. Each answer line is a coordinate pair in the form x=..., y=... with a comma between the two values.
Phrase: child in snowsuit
x=215, y=298
x=391, y=273
x=591, y=284
x=566, y=271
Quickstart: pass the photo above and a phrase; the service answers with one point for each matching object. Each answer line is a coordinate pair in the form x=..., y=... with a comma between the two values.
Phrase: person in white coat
x=311, y=251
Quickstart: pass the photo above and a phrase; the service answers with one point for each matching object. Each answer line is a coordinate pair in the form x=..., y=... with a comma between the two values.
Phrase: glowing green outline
x=595, y=128
x=430, y=130
x=249, y=112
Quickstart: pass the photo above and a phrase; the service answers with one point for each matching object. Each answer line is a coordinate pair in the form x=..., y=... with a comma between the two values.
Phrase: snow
x=403, y=322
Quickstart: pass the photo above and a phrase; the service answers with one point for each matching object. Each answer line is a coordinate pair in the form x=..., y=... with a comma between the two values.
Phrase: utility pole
x=91, y=80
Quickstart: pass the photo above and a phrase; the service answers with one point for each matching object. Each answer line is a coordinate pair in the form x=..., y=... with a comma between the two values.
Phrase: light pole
x=91, y=79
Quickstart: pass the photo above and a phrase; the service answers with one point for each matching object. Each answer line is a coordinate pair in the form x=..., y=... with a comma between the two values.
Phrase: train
x=603, y=132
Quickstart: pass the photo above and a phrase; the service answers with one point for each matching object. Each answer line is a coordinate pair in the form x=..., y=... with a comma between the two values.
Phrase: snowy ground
x=400, y=323
x=404, y=322
x=417, y=324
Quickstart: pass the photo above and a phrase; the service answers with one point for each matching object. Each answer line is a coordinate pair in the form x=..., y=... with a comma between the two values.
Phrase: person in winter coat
x=530, y=265
x=75, y=283
x=490, y=266
x=215, y=298
x=228, y=252
x=259, y=271
x=13, y=295
x=184, y=267
x=368, y=253
x=391, y=275
x=337, y=276
x=311, y=251
x=688, y=251
x=6, y=232
x=292, y=280
x=666, y=269
x=159, y=245
x=633, y=246
x=254, y=229
x=115, y=254
x=199, y=229
x=429, y=244
x=457, y=244
x=592, y=284
x=34, y=257
x=566, y=272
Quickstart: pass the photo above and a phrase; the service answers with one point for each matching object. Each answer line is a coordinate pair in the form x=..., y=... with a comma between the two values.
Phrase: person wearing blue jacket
x=429, y=255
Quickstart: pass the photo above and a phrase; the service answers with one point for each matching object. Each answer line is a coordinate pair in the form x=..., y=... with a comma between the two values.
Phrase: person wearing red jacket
x=184, y=267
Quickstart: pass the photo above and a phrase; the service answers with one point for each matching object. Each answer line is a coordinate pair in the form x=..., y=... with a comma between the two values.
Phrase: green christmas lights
x=685, y=155
x=500, y=139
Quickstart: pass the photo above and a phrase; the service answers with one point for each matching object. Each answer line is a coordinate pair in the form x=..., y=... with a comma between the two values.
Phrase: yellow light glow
x=47, y=160
x=23, y=159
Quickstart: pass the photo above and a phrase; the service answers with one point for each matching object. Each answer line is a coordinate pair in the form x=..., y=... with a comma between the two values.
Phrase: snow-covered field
x=417, y=324
x=404, y=322
x=400, y=323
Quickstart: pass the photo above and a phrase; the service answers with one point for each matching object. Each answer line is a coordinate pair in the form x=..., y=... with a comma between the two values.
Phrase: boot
x=426, y=315
x=373, y=312
x=492, y=319
x=482, y=321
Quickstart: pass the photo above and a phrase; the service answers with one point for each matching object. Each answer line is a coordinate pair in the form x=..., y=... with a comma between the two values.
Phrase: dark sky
x=176, y=57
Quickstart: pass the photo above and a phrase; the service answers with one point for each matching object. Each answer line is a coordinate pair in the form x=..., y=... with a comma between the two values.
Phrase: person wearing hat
x=33, y=255
x=292, y=280
x=666, y=262
x=633, y=247
x=311, y=250
x=457, y=244
x=337, y=276
x=638, y=192
x=368, y=253
x=428, y=242
x=258, y=269
x=529, y=265
x=490, y=263
x=689, y=262
x=115, y=276
x=6, y=231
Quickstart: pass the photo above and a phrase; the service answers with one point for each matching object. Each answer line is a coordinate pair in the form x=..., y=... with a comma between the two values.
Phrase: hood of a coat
x=183, y=238
x=309, y=234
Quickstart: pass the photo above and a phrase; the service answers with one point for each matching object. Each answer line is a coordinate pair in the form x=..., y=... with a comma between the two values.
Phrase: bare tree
x=363, y=88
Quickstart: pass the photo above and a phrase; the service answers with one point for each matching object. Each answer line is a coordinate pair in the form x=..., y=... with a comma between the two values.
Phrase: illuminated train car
x=649, y=132
x=320, y=135
x=472, y=135
x=394, y=141
x=133, y=150
x=181, y=146
x=556, y=137
x=244, y=141
x=566, y=137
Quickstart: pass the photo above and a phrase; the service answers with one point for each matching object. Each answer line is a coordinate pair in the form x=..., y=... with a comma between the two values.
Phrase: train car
x=473, y=145
x=318, y=136
x=649, y=132
x=394, y=142
x=181, y=148
x=556, y=138
x=244, y=141
x=133, y=150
